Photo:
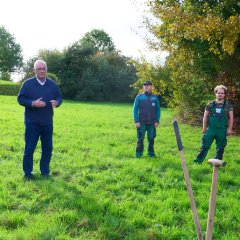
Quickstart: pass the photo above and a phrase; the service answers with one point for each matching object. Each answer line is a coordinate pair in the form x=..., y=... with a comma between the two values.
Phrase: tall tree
x=99, y=40
x=10, y=53
x=203, y=39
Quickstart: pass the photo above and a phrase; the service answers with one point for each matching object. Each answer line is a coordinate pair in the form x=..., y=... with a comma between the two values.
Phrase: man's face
x=220, y=94
x=147, y=88
x=41, y=71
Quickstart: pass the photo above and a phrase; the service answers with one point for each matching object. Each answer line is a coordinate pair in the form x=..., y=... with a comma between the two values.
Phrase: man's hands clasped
x=39, y=103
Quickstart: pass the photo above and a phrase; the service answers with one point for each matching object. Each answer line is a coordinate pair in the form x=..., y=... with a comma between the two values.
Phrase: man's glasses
x=41, y=69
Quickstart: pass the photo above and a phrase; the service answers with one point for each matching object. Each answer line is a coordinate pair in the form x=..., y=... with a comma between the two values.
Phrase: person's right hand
x=138, y=125
x=38, y=103
x=204, y=130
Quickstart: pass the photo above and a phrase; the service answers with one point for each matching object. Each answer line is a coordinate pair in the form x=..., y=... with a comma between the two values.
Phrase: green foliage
x=158, y=75
x=99, y=40
x=9, y=88
x=51, y=57
x=6, y=76
x=190, y=20
x=10, y=54
x=97, y=76
x=202, y=38
x=90, y=69
x=116, y=73
x=98, y=190
x=53, y=77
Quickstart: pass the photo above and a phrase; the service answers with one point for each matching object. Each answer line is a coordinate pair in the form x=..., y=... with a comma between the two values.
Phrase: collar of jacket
x=148, y=94
x=36, y=81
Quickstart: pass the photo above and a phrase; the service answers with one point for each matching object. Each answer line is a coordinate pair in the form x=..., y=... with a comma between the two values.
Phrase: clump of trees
x=90, y=69
x=203, y=42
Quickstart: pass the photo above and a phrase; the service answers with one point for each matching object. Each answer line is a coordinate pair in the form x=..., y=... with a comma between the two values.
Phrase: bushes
x=9, y=88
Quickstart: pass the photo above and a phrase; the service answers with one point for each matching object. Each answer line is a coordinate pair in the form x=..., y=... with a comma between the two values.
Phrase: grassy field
x=98, y=190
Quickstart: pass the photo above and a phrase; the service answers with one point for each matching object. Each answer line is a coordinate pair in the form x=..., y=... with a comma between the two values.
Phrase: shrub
x=9, y=88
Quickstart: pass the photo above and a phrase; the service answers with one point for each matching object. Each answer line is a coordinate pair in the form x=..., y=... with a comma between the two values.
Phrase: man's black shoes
x=45, y=175
x=29, y=177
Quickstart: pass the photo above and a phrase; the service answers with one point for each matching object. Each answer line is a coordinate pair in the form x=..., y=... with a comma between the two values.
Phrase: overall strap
x=214, y=104
x=224, y=104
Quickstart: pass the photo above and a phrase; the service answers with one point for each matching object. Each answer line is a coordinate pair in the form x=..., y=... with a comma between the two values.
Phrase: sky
x=56, y=24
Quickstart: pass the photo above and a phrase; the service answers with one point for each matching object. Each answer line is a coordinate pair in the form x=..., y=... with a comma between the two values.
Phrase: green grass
x=98, y=190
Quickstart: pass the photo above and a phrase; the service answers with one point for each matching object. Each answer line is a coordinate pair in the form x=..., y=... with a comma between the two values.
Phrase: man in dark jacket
x=146, y=113
x=39, y=95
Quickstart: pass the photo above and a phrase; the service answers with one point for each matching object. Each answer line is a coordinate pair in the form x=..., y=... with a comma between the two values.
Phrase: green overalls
x=217, y=129
x=151, y=134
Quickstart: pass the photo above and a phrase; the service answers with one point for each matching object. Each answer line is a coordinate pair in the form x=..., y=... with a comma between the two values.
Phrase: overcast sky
x=55, y=24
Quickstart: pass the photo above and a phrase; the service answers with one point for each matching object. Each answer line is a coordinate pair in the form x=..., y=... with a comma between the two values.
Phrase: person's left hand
x=156, y=124
x=54, y=103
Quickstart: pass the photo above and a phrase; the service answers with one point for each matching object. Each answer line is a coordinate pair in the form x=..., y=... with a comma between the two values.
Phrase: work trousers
x=219, y=135
x=151, y=134
x=33, y=132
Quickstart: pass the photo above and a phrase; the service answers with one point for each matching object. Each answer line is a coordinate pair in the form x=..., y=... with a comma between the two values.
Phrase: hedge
x=9, y=88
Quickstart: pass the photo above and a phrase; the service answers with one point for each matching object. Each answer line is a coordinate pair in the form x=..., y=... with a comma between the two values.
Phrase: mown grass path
x=98, y=190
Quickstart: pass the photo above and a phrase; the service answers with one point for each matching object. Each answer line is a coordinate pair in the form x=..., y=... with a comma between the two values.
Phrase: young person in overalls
x=146, y=114
x=217, y=124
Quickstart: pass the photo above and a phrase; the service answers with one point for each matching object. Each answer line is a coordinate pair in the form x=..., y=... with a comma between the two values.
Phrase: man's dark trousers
x=151, y=134
x=33, y=132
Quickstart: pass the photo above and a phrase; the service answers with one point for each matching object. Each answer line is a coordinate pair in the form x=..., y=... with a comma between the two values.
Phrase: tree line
x=90, y=69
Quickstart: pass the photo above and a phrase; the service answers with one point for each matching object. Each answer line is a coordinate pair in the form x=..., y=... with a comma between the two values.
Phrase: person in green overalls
x=217, y=124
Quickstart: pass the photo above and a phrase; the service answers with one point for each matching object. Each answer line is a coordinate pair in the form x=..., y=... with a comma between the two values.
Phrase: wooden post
x=212, y=202
x=187, y=180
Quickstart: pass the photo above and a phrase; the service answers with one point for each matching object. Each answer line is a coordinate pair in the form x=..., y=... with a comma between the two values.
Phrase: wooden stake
x=212, y=203
x=187, y=180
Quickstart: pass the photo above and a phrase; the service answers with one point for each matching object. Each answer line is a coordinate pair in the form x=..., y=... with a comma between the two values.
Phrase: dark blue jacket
x=146, y=109
x=32, y=90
